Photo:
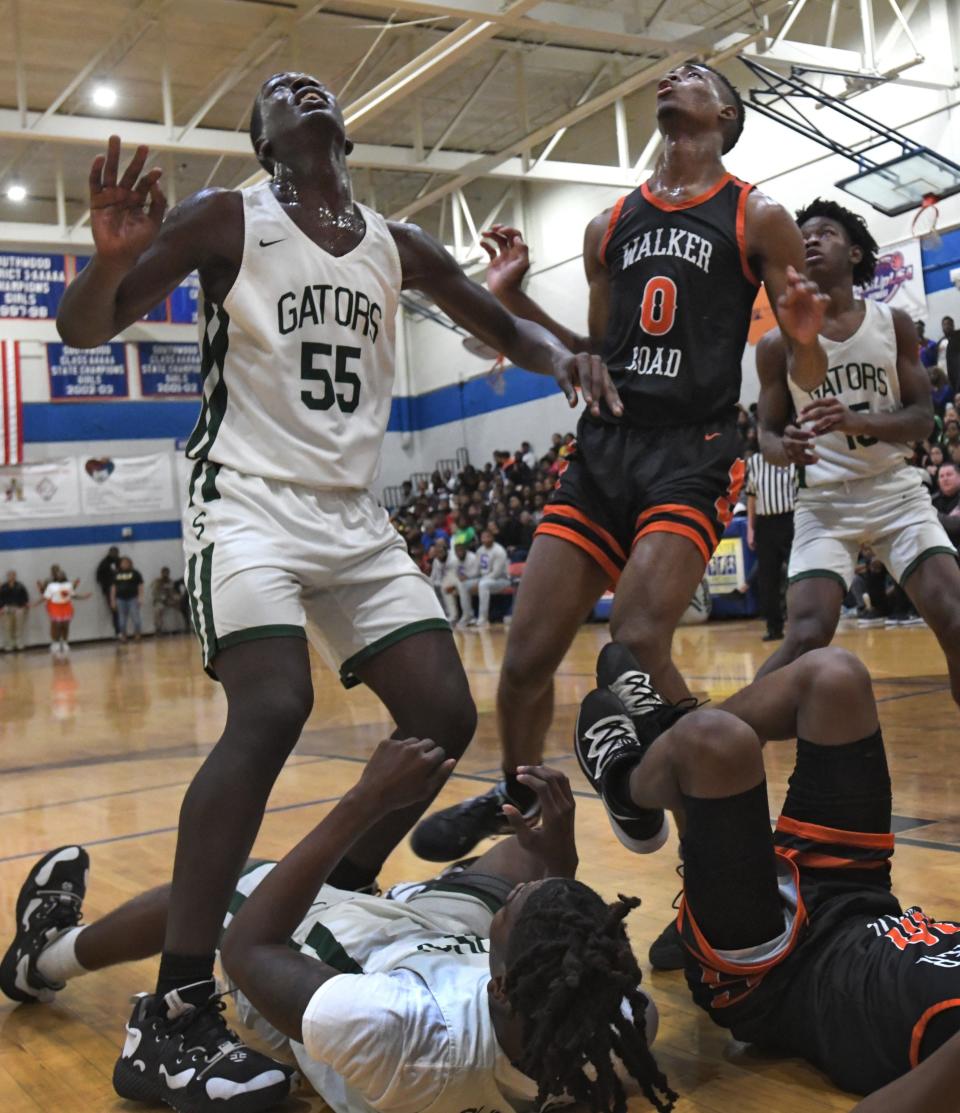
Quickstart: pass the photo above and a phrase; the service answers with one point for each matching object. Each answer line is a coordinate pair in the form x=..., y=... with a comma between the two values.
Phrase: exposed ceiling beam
x=435, y=59
x=269, y=40
x=139, y=21
x=487, y=164
x=571, y=24
x=93, y=131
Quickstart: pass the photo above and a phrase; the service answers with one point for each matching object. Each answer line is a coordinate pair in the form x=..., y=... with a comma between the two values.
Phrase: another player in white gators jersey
x=300, y=292
x=851, y=439
x=496, y=986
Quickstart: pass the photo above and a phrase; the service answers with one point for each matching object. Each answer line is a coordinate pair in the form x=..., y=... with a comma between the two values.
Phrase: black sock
x=346, y=875
x=730, y=869
x=847, y=787
x=616, y=783
x=520, y=795
x=177, y=971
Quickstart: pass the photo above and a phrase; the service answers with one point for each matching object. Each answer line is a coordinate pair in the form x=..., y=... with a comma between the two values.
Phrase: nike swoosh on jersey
x=711, y=436
x=270, y=243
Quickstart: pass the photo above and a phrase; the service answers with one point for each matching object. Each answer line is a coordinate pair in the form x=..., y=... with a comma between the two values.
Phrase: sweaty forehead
x=287, y=77
x=819, y=223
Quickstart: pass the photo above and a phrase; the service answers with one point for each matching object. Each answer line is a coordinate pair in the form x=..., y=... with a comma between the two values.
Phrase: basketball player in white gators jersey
x=300, y=293
x=850, y=439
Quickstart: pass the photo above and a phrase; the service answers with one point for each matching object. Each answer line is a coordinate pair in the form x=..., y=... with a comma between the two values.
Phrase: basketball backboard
x=901, y=184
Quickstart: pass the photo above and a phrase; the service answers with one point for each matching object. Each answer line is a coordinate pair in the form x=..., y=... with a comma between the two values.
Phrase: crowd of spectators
x=467, y=529
x=470, y=530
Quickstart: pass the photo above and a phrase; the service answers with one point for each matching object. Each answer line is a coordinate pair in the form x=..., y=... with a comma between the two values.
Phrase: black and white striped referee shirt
x=775, y=489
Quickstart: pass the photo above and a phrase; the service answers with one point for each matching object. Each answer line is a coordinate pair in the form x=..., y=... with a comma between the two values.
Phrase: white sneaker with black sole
x=50, y=903
x=180, y=1051
x=604, y=737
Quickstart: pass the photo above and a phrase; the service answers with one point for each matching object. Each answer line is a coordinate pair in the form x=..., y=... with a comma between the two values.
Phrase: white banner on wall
x=899, y=279
x=125, y=484
x=47, y=490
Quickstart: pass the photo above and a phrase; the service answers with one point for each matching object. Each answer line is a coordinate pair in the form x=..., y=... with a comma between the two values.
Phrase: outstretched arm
x=781, y=442
x=912, y=422
x=140, y=256
x=775, y=248
x=509, y=263
x=278, y=980
x=429, y=268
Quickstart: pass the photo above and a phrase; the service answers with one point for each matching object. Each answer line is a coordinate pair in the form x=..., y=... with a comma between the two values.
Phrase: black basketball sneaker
x=49, y=903
x=618, y=670
x=180, y=1051
x=455, y=831
x=604, y=738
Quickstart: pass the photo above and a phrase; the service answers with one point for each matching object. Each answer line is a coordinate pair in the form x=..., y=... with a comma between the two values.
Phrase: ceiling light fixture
x=104, y=96
x=16, y=193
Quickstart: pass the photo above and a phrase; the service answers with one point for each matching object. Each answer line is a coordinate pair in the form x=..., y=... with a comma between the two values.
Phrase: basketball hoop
x=925, y=222
x=495, y=377
x=494, y=374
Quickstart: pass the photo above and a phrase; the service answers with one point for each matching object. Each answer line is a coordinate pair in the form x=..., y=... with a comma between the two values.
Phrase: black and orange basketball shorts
x=623, y=483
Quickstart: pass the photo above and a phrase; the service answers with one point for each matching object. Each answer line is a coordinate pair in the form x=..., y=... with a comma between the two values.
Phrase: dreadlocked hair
x=857, y=232
x=569, y=968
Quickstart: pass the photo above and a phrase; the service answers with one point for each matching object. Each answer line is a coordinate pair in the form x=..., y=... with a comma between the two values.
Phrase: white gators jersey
x=413, y=1032
x=862, y=373
x=298, y=362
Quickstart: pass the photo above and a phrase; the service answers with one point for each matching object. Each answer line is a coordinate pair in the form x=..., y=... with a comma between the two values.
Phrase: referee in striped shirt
x=771, y=494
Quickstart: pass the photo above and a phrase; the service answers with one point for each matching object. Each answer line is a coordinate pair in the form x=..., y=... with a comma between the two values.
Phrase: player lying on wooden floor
x=498, y=984
x=794, y=939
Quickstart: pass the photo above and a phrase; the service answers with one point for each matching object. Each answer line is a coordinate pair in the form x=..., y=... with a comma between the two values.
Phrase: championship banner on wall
x=11, y=406
x=125, y=484
x=47, y=490
x=169, y=370
x=87, y=374
x=726, y=571
x=898, y=281
x=31, y=286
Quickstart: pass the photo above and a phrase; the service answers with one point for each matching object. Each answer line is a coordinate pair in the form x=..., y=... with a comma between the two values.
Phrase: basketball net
x=495, y=376
x=925, y=222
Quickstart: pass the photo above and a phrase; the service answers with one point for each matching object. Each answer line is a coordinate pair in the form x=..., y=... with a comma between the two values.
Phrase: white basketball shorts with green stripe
x=271, y=559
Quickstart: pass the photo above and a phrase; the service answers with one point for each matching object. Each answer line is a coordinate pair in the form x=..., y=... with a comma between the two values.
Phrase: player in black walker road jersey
x=673, y=270
x=850, y=438
x=794, y=940
x=300, y=287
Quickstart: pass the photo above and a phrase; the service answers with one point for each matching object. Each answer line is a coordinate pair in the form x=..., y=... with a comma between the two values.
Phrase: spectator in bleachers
x=940, y=390
x=928, y=347
x=948, y=353
x=441, y=570
x=432, y=532
x=935, y=458
x=528, y=456
x=947, y=502
x=461, y=568
x=492, y=578
x=166, y=603
x=126, y=596
x=14, y=603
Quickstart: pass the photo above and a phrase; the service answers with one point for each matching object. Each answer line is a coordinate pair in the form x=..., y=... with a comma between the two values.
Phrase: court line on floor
x=166, y=830
x=291, y=764
x=922, y=843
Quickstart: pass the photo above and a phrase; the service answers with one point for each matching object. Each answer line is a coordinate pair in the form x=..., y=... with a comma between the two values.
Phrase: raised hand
x=590, y=374
x=122, y=222
x=800, y=308
x=509, y=259
x=554, y=841
x=404, y=771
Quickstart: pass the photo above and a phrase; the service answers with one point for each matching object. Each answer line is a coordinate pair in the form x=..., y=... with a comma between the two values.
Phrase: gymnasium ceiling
x=449, y=104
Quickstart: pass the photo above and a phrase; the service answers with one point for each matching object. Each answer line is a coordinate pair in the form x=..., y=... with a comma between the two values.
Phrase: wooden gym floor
x=100, y=750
